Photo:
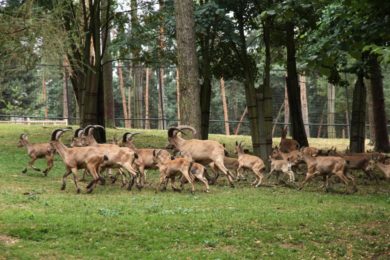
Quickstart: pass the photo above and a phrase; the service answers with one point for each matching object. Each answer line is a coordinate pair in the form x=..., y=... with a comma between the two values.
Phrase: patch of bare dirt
x=7, y=240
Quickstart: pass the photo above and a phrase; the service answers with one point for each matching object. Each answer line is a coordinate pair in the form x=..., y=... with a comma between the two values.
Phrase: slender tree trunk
x=188, y=64
x=129, y=97
x=224, y=106
x=305, y=110
x=370, y=112
x=378, y=100
x=331, y=111
x=321, y=122
x=161, y=94
x=161, y=114
x=147, y=122
x=241, y=120
x=65, y=100
x=44, y=98
x=358, y=121
x=294, y=95
x=178, y=96
x=286, y=106
x=277, y=118
x=123, y=96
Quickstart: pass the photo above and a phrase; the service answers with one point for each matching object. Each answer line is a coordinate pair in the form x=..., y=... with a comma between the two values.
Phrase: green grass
x=38, y=221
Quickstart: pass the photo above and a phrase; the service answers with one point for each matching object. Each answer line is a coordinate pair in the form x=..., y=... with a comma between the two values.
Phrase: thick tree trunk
x=147, y=121
x=265, y=95
x=205, y=95
x=331, y=111
x=109, y=112
x=381, y=133
x=294, y=95
x=127, y=123
x=190, y=113
x=137, y=70
x=224, y=107
x=357, y=136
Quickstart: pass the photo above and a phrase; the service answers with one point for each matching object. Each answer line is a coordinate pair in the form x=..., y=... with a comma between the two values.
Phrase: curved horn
x=78, y=132
x=124, y=137
x=99, y=126
x=181, y=127
x=171, y=131
x=57, y=133
x=87, y=130
x=23, y=136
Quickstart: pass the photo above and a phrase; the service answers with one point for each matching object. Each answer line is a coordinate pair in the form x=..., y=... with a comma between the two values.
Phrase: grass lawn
x=39, y=221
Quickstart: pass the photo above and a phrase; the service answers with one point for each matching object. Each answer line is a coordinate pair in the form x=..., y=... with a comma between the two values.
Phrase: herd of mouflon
x=189, y=159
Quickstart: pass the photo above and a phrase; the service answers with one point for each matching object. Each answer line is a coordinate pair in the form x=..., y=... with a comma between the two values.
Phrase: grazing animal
x=250, y=162
x=36, y=151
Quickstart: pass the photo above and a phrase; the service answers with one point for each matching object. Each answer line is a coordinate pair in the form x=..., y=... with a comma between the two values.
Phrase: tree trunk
x=147, y=121
x=190, y=113
x=357, y=136
x=161, y=94
x=286, y=106
x=370, y=112
x=137, y=70
x=65, y=100
x=123, y=96
x=161, y=113
x=178, y=96
x=109, y=113
x=44, y=97
x=378, y=100
x=305, y=110
x=331, y=111
x=294, y=97
x=129, y=98
x=224, y=106
x=277, y=118
x=241, y=120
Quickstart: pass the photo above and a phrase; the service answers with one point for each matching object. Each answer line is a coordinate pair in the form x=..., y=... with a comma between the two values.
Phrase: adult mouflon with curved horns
x=201, y=151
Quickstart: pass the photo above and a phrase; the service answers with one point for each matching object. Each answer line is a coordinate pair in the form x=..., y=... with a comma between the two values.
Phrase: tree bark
x=147, y=121
x=294, y=99
x=44, y=97
x=224, y=106
x=178, y=96
x=358, y=120
x=65, y=100
x=109, y=112
x=286, y=106
x=127, y=123
x=241, y=120
x=370, y=112
x=378, y=100
x=331, y=111
x=190, y=113
x=161, y=113
x=305, y=110
x=137, y=70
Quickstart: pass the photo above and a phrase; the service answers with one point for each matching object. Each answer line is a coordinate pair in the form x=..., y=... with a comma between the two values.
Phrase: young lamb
x=170, y=169
x=250, y=162
x=36, y=151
